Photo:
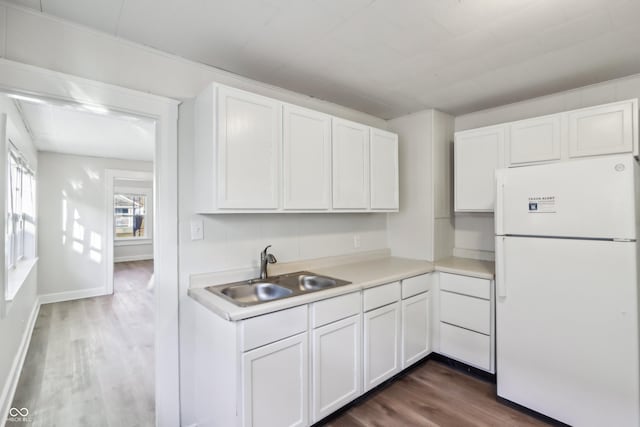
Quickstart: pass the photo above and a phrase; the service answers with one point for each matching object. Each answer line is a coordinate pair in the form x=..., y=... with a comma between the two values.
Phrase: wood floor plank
x=434, y=395
x=90, y=361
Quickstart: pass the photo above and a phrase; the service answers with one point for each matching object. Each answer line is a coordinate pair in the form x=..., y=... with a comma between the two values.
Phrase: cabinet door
x=249, y=140
x=275, y=384
x=381, y=344
x=415, y=329
x=478, y=153
x=384, y=170
x=337, y=366
x=604, y=129
x=535, y=140
x=350, y=165
x=307, y=159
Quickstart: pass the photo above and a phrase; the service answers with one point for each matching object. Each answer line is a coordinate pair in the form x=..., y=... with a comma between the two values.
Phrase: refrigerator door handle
x=501, y=286
x=499, y=205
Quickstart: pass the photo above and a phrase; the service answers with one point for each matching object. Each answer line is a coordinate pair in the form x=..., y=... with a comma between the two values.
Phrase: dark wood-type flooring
x=91, y=361
x=433, y=394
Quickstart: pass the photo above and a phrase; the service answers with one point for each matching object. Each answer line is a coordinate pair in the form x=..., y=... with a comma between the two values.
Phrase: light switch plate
x=197, y=229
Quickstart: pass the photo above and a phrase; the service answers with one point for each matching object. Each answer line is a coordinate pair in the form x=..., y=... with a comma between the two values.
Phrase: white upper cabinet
x=534, y=140
x=350, y=165
x=256, y=154
x=600, y=130
x=306, y=159
x=249, y=142
x=384, y=170
x=605, y=129
x=478, y=153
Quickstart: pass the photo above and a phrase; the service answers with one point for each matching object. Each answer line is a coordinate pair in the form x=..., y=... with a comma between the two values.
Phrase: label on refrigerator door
x=543, y=204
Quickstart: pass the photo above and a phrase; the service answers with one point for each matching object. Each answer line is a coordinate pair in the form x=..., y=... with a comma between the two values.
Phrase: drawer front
x=467, y=312
x=261, y=330
x=381, y=295
x=466, y=285
x=333, y=309
x=416, y=285
x=466, y=346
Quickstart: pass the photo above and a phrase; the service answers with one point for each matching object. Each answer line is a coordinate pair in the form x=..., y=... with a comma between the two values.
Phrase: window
x=130, y=212
x=20, y=241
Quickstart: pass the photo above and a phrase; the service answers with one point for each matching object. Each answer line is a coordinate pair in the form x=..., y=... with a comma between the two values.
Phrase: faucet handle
x=271, y=259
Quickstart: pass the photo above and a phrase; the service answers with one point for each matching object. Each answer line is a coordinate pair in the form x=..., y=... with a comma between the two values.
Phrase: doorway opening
x=92, y=354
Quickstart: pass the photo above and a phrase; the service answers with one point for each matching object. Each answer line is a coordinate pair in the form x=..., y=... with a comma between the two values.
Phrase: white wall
x=72, y=220
x=14, y=325
x=423, y=229
x=411, y=229
x=475, y=231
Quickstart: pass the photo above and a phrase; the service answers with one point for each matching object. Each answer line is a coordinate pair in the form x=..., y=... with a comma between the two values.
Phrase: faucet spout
x=265, y=259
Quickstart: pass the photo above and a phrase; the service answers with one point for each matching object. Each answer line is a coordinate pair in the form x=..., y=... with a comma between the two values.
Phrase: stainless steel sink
x=315, y=282
x=257, y=291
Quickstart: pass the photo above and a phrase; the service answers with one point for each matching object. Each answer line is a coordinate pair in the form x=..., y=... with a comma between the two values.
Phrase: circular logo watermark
x=19, y=415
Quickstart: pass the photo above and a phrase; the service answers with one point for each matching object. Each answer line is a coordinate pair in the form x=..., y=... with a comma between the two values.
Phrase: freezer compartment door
x=588, y=198
x=567, y=329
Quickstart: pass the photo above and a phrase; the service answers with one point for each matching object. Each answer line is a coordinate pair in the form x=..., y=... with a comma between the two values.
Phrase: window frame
x=148, y=215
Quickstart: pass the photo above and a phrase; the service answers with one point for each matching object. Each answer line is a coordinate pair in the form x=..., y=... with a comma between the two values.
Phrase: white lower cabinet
x=336, y=366
x=467, y=320
x=275, y=381
x=381, y=344
x=415, y=328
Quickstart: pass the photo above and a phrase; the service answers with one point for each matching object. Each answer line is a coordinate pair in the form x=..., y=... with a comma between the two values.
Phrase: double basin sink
x=259, y=291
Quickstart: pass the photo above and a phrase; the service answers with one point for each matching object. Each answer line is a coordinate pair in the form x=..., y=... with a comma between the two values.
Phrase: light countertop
x=362, y=275
x=467, y=267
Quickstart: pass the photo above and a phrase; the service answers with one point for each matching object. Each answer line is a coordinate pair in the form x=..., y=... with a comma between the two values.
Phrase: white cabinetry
x=534, y=140
x=600, y=130
x=350, y=165
x=605, y=129
x=336, y=353
x=306, y=159
x=337, y=365
x=249, y=141
x=257, y=154
x=478, y=153
x=384, y=170
x=415, y=328
x=467, y=320
x=382, y=329
x=275, y=383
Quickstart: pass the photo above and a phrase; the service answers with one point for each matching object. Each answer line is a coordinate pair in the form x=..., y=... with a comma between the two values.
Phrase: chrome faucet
x=266, y=258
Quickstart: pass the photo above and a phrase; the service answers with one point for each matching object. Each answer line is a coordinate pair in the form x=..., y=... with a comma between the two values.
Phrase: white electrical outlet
x=197, y=229
x=356, y=241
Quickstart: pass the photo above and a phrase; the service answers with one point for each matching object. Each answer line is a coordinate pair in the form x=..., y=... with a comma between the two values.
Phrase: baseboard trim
x=71, y=295
x=133, y=258
x=10, y=387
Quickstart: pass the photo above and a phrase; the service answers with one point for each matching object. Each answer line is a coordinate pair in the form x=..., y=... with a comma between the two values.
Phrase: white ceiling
x=386, y=57
x=88, y=131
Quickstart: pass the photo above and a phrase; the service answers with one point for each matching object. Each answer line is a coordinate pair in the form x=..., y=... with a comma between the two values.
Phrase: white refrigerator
x=567, y=290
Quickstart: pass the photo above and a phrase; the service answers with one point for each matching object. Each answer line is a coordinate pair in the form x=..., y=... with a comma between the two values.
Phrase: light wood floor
x=434, y=395
x=90, y=361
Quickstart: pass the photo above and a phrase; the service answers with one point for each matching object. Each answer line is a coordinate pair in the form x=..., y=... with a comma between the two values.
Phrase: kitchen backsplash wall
x=474, y=232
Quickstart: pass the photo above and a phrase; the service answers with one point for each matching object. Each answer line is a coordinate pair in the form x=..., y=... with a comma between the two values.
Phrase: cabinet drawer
x=468, y=312
x=466, y=285
x=415, y=285
x=466, y=346
x=381, y=295
x=333, y=309
x=262, y=330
